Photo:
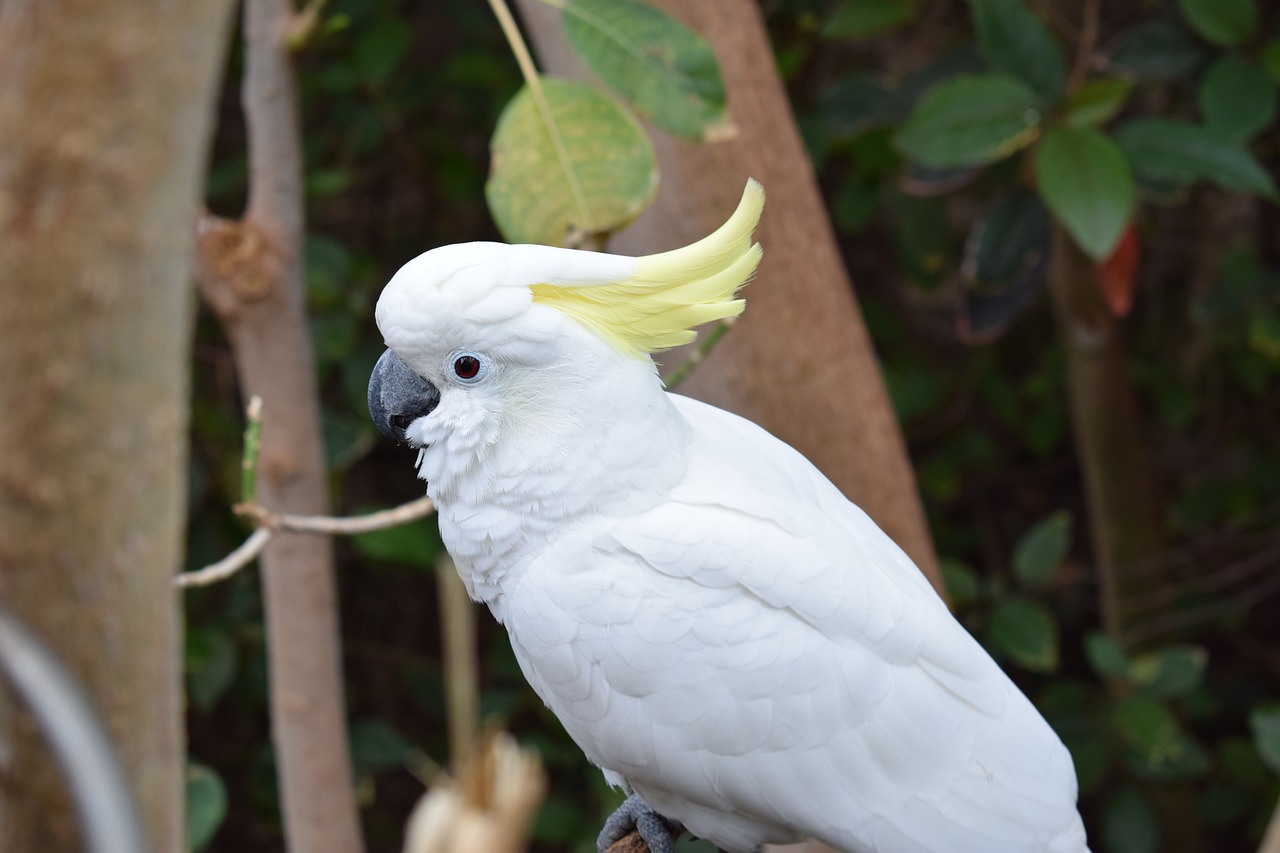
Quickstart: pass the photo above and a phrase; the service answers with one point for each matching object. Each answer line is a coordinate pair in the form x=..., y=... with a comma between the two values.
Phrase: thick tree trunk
x=800, y=363
x=251, y=273
x=106, y=112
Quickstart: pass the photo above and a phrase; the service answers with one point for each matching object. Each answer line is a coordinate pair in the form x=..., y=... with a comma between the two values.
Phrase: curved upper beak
x=398, y=396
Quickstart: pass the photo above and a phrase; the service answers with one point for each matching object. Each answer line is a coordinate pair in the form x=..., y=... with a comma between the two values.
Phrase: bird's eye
x=466, y=366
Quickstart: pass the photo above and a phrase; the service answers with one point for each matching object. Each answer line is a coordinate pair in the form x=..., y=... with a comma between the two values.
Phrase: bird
x=735, y=644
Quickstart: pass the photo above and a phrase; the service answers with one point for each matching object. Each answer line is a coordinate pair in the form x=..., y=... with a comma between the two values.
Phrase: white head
x=498, y=350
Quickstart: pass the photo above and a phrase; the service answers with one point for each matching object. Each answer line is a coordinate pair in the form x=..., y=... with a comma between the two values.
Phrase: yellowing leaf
x=589, y=171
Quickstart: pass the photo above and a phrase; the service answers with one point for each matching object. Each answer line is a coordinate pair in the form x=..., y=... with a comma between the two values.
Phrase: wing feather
x=774, y=666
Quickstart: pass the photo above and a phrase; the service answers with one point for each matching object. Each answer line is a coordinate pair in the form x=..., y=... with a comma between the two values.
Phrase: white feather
x=715, y=625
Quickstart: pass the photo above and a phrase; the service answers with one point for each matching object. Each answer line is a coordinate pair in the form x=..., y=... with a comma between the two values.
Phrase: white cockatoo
x=722, y=632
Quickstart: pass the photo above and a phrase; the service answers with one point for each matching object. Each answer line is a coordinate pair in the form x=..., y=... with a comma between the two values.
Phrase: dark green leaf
x=1157, y=745
x=1012, y=235
x=1265, y=724
x=1159, y=50
x=211, y=663
x=856, y=104
x=1097, y=101
x=1041, y=550
x=347, y=437
x=206, y=805
x=915, y=390
x=1013, y=40
x=1178, y=153
x=1006, y=261
x=377, y=746
x=1169, y=672
x=1237, y=98
x=1105, y=655
x=1085, y=181
x=1223, y=22
x=1222, y=804
x=1129, y=824
x=1091, y=752
x=610, y=176
x=381, y=48
x=328, y=271
x=416, y=544
x=1027, y=633
x=970, y=121
x=1264, y=335
x=661, y=67
x=1241, y=759
x=1271, y=59
x=864, y=18
x=963, y=585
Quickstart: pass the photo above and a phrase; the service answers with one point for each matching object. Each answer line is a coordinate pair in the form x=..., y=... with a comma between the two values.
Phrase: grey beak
x=398, y=396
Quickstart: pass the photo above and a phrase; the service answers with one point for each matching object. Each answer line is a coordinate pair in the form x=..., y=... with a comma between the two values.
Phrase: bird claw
x=654, y=829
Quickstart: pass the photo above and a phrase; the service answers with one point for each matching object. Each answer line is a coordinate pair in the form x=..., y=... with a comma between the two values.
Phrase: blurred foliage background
x=948, y=246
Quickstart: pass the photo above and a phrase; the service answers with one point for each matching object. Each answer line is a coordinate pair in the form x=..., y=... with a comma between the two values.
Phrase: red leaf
x=1118, y=272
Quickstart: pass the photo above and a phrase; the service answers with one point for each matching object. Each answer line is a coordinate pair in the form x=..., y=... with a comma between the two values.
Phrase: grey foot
x=634, y=814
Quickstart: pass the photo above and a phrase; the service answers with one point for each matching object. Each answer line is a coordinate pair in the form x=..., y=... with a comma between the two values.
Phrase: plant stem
x=531, y=79
x=252, y=444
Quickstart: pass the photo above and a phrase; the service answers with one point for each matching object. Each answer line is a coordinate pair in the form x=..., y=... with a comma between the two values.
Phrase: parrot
x=736, y=645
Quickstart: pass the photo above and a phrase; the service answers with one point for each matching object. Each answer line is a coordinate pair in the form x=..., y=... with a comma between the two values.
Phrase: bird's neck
x=606, y=448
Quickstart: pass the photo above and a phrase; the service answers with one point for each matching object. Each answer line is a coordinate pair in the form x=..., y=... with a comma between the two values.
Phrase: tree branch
x=251, y=275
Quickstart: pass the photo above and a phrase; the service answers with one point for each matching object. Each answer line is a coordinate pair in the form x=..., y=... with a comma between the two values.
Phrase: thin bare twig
x=269, y=523
x=228, y=565
x=341, y=525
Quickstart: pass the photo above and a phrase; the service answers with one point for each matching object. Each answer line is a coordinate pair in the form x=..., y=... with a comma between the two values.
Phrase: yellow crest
x=670, y=293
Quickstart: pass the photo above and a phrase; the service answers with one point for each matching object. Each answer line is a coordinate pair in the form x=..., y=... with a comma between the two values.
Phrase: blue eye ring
x=467, y=367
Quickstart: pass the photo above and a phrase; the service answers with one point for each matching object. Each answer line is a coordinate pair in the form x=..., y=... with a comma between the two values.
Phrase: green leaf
x=1041, y=550
x=1097, y=101
x=1265, y=724
x=1129, y=824
x=856, y=19
x=377, y=746
x=1271, y=59
x=1011, y=237
x=1026, y=631
x=416, y=544
x=211, y=663
x=206, y=805
x=970, y=121
x=1092, y=754
x=1086, y=183
x=1178, y=153
x=381, y=48
x=1223, y=22
x=1170, y=672
x=1159, y=50
x=963, y=585
x=1157, y=746
x=661, y=67
x=1015, y=41
x=853, y=105
x=1237, y=98
x=1264, y=335
x=609, y=177
x=1105, y=655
